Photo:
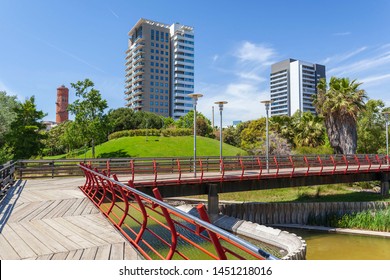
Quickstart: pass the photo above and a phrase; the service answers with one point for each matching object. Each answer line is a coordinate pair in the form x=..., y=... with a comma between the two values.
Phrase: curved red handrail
x=201, y=170
x=171, y=225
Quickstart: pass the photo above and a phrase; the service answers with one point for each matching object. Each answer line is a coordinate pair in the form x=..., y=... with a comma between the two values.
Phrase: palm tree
x=339, y=105
x=308, y=129
x=283, y=125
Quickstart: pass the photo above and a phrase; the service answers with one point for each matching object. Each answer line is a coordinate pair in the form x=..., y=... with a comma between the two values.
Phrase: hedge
x=151, y=132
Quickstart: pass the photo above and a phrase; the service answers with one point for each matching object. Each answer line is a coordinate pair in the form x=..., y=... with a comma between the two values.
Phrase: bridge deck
x=163, y=179
x=52, y=219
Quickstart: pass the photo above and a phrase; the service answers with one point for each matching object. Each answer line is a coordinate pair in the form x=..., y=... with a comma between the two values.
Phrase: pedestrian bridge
x=139, y=186
x=181, y=177
x=51, y=218
x=130, y=192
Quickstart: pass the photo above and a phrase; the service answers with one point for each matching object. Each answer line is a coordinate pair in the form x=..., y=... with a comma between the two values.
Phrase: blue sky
x=47, y=43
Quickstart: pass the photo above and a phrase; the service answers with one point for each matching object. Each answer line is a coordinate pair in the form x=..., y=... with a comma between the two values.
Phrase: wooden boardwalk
x=51, y=219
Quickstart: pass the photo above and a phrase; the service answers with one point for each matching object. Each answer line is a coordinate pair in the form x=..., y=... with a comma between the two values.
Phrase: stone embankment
x=295, y=213
x=293, y=245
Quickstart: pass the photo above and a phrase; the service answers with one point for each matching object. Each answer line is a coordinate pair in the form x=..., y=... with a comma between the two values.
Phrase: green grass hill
x=155, y=146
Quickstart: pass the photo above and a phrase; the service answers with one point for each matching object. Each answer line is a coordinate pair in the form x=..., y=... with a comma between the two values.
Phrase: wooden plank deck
x=51, y=219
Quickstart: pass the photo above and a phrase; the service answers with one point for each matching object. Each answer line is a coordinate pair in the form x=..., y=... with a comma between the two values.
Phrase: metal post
x=220, y=133
x=267, y=103
x=220, y=104
x=212, y=113
x=213, y=202
x=387, y=136
x=386, y=114
x=195, y=97
x=195, y=138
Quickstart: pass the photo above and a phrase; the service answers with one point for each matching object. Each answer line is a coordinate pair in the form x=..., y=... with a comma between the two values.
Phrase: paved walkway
x=52, y=219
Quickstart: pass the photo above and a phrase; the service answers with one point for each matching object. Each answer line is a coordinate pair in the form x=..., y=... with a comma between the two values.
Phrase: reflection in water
x=337, y=246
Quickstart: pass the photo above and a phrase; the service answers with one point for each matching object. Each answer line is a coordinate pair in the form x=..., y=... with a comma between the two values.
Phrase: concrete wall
x=295, y=213
x=294, y=247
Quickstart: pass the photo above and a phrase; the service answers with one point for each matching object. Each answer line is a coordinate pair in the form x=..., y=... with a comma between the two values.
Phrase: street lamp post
x=386, y=114
x=195, y=97
x=220, y=104
x=267, y=103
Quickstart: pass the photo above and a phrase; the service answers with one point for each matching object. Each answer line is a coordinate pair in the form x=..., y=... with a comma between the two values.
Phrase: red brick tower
x=62, y=104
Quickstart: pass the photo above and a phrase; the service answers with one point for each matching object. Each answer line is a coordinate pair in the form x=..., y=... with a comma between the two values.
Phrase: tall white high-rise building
x=293, y=84
x=160, y=68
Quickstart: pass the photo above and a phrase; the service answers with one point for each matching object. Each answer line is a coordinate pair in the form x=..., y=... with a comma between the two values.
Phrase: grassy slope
x=153, y=146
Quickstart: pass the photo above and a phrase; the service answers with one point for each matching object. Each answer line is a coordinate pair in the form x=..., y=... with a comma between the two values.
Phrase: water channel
x=337, y=246
x=320, y=245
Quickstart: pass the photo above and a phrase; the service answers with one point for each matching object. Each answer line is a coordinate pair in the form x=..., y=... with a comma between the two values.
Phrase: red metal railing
x=170, y=171
x=158, y=230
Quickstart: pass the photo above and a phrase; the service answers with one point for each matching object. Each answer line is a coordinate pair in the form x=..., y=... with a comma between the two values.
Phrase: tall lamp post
x=220, y=104
x=195, y=97
x=267, y=103
x=386, y=114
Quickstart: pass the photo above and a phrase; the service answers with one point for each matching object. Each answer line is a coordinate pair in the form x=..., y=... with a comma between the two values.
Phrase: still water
x=336, y=246
x=320, y=245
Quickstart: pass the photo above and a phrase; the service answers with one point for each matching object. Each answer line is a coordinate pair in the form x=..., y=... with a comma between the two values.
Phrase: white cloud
x=250, y=52
x=342, y=57
x=11, y=92
x=246, y=68
x=375, y=78
x=243, y=102
x=371, y=63
x=251, y=75
x=71, y=55
x=342, y=33
x=113, y=13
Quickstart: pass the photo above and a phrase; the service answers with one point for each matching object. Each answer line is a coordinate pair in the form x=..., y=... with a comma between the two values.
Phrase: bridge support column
x=385, y=184
x=213, y=202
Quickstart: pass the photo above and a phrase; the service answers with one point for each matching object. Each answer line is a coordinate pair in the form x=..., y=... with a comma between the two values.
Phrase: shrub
x=176, y=132
x=151, y=132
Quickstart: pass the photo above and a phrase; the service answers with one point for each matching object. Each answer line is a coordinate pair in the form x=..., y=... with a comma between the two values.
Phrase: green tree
x=56, y=143
x=169, y=122
x=26, y=135
x=127, y=119
x=89, y=113
x=5, y=153
x=253, y=136
x=231, y=136
x=121, y=119
x=309, y=130
x=283, y=126
x=339, y=105
x=147, y=120
x=203, y=125
x=371, y=128
x=7, y=114
x=72, y=137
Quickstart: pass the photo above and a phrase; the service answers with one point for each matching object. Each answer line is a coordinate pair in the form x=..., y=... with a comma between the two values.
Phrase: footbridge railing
x=171, y=171
x=6, y=176
x=175, y=170
x=158, y=230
